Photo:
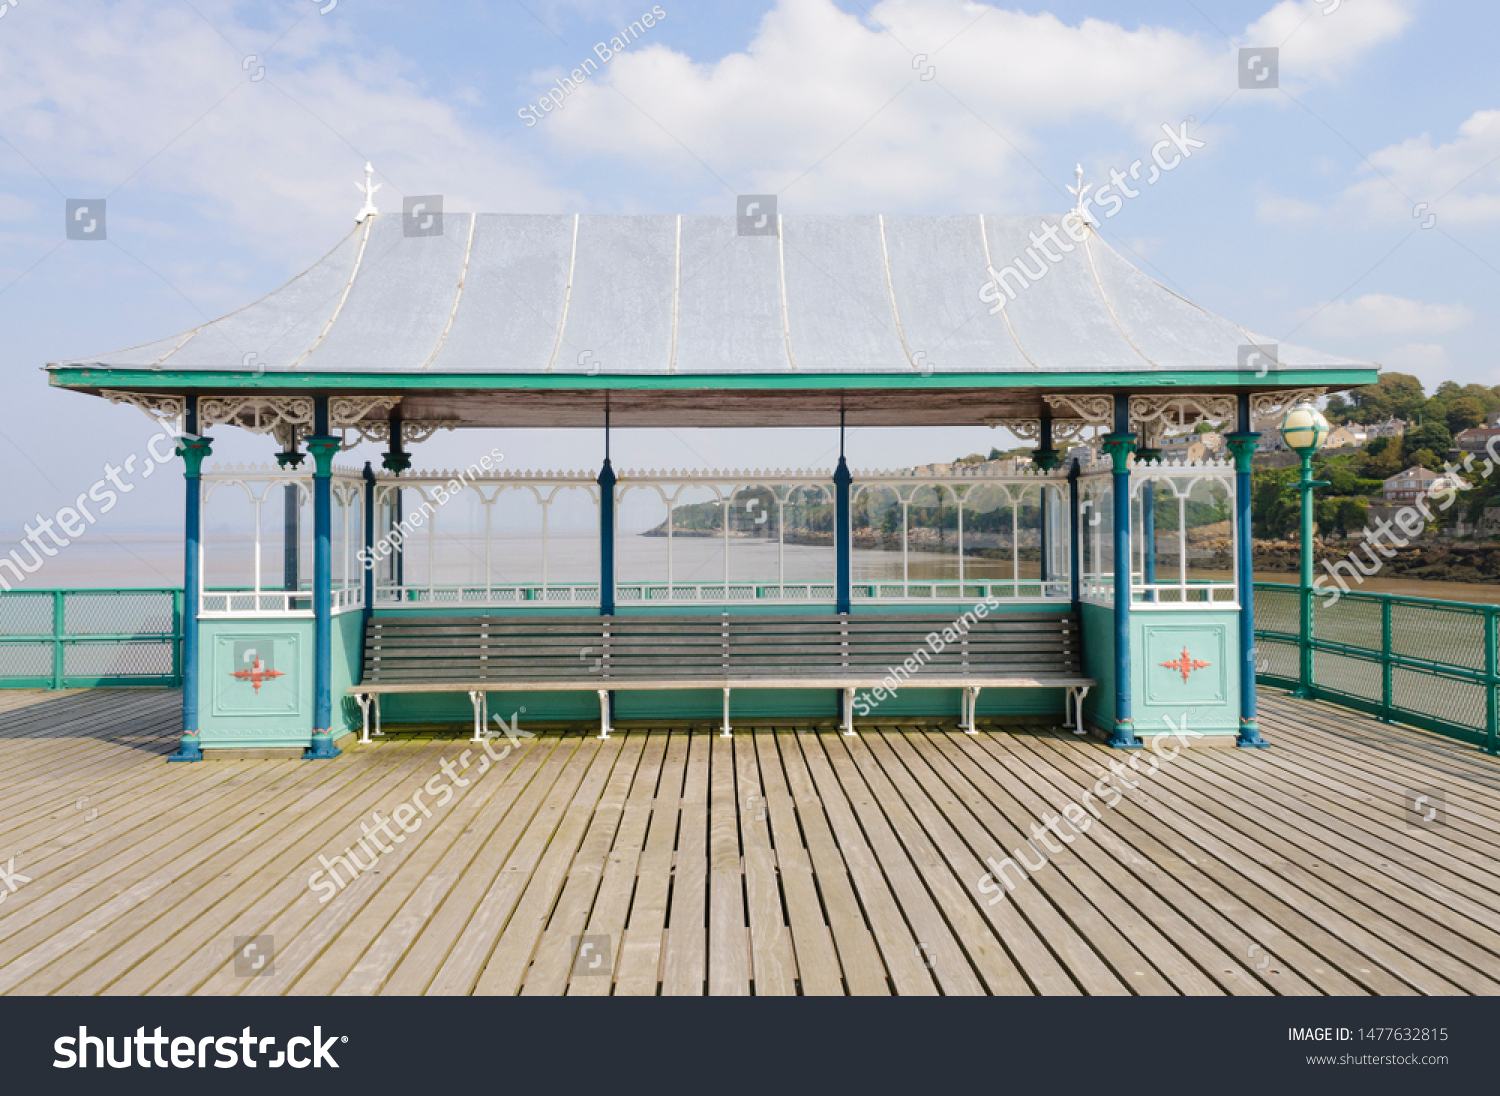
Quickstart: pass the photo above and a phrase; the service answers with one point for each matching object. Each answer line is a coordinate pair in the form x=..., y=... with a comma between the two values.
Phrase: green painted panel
x=233, y=712
x=1185, y=666
x=348, y=663
x=1097, y=623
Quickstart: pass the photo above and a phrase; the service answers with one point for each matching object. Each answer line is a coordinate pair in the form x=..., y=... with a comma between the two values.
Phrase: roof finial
x=368, y=187
x=1078, y=192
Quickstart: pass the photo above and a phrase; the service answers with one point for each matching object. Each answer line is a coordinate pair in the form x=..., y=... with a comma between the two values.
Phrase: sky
x=1353, y=207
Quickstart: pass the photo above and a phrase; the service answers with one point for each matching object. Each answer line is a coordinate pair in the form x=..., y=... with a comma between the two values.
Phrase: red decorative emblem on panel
x=256, y=674
x=1187, y=664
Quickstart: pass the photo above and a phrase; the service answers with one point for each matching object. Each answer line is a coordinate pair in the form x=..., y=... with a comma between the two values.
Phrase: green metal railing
x=74, y=639
x=1419, y=661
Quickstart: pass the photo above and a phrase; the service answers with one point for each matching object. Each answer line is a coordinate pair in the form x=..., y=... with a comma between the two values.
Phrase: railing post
x=177, y=638
x=1387, y=670
x=58, y=662
x=1491, y=673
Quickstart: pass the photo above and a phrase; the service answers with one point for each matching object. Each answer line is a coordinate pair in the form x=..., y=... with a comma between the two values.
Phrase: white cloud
x=824, y=92
x=1318, y=40
x=1460, y=180
x=99, y=93
x=1384, y=314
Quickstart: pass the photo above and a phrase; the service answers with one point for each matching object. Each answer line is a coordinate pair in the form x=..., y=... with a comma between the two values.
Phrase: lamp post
x=1304, y=430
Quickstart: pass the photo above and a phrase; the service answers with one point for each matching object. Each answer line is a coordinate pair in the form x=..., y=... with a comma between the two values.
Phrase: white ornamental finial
x=369, y=187
x=1078, y=192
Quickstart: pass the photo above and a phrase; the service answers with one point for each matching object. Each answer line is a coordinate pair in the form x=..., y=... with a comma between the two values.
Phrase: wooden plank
x=439, y=937
x=954, y=936
x=638, y=966
x=505, y=969
x=338, y=952
x=611, y=903
x=1286, y=922
x=463, y=966
x=729, y=956
x=881, y=899
x=773, y=963
x=684, y=956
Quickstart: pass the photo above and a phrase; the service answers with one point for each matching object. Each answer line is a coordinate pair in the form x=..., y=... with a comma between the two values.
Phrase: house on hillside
x=1476, y=439
x=1350, y=435
x=1390, y=428
x=1192, y=447
x=1419, y=483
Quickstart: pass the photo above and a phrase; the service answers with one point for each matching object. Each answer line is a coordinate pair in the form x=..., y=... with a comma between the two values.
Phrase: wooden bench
x=484, y=654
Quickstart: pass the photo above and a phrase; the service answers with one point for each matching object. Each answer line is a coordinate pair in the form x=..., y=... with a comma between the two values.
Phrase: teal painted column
x=323, y=448
x=193, y=450
x=842, y=570
x=1119, y=445
x=1242, y=444
x=1306, y=485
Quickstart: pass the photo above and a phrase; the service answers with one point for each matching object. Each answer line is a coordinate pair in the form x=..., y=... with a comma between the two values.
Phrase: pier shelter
x=1110, y=591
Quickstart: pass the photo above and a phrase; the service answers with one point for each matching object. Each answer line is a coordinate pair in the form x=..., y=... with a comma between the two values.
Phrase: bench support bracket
x=849, y=711
x=604, y=727
x=726, y=731
x=481, y=702
x=363, y=700
x=1076, y=694
x=971, y=703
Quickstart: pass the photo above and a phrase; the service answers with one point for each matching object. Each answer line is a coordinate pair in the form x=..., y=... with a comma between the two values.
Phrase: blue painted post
x=369, y=569
x=1075, y=536
x=1046, y=458
x=842, y=570
x=395, y=462
x=1119, y=445
x=1242, y=444
x=323, y=448
x=607, y=530
x=193, y=450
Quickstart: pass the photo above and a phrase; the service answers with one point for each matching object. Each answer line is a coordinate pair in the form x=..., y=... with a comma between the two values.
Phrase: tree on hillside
x=1464, y=412
x=1381, y=459
x=1431, y=435
x=1398, y=394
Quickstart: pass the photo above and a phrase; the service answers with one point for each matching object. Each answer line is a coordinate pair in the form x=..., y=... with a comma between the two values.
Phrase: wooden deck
x=782, y=861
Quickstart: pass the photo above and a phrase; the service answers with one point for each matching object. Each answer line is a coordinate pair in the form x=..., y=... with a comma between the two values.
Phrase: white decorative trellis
x=1267, y=409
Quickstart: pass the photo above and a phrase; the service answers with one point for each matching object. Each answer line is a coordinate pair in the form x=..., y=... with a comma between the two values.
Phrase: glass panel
x=989, y=542
x=875, y=520
x=807, y=535
x=1210, y=538
x=755, y=535
x=573, y=538
x=227, y=537
x=642, y=550
x=932, y=534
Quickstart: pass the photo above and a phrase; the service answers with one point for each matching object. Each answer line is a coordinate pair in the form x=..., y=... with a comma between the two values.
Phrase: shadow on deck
x=782, y=861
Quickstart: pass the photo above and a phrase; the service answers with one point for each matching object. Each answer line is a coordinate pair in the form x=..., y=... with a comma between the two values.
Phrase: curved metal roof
x=686, y=295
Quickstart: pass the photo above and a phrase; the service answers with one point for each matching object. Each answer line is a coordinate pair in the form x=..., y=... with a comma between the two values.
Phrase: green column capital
x=1119, y=447
x=324, y=448
x=1243, y=447
x=194, y=451
x=1046, y=459
x=395, y=462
